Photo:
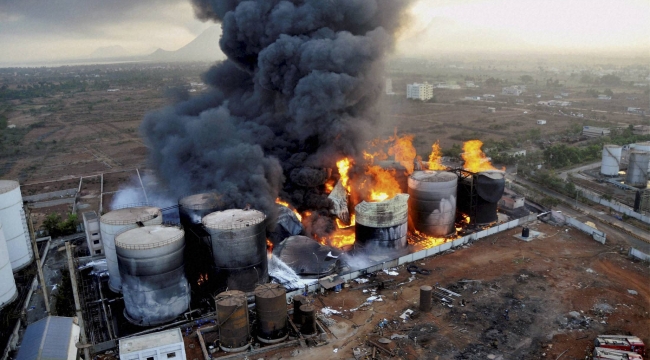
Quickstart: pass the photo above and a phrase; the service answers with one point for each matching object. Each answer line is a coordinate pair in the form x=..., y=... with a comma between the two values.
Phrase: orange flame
x=344, y=166
x=341, y=225
x=384, y=186
x=435, y=159
x=403, y=151
x=286, y=204
x=475, y=159
x=202, y=278
x=329, y=186
x=338, y=239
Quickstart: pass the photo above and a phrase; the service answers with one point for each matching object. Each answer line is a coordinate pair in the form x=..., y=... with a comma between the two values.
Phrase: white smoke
x=288, y=278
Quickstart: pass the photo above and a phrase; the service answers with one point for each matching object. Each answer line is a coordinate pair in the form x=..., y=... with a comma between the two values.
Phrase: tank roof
x=150, y=341
x=270, y=290
x=493, y=174
x=148, y=237
x=230, y=298
x=209, y=200
x=433, y=176
x=130, y=215
x=612, y=146
x=233, y=219
x=8, y=185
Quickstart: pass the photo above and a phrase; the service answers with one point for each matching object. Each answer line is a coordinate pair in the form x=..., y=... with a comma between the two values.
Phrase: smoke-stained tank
x=481, y=191
x=611, y=160
x=12, y=216
x=271, y=308
x=637, y=169
x=117, y=221
x=232, y=315
x=192, y=209
x=238, y=243
x=8, y=292
x=150, y=260
x=432, y=202
x=381, y=227
x=308, y=326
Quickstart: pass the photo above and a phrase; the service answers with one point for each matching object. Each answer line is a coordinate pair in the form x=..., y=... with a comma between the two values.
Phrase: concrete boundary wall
x=425, y=253
x=595, y=233
x=614, y=206
x=639, y=254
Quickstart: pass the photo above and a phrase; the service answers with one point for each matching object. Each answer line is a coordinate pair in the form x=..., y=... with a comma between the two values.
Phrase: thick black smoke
x=297, y=93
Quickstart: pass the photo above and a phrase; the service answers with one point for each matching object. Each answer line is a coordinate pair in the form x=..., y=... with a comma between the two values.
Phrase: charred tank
x=432, y=202
x=271, y=309
x=381, y=227
x=479, y=194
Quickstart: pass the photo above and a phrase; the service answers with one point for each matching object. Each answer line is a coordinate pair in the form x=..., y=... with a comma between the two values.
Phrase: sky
x=38, y=30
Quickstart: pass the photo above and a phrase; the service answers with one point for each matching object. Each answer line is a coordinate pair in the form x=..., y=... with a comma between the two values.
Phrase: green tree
x=63, y=303
x=611, y=80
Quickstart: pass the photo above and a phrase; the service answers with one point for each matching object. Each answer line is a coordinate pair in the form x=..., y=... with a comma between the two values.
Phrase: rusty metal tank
x=238, y=244
x=298, y=301
x=232, y=316
x=271, y=308
x=432, y=202
x=381, y=227
x=309, y=320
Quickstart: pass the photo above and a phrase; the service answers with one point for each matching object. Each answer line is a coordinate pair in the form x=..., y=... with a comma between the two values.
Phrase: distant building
x=419, y=91
x=538, y=95
x=554, y=103
x=489, y=96
x=604, y=97
x=473, y=98
x=51, y=338
x=389, y=87
x=565, y=94
x=557, y=96
x=640, y=84
x=470, y=84
x=93, y=235
x=12, y=126
x=635, y=110
x=515, y=90
x=541, y=122
x=520, y=152
x=491, y=110
x=512, y=201
x=592, y=131
x=162, y=345
x=519, y=101
x=444, y=85
x=641, y=130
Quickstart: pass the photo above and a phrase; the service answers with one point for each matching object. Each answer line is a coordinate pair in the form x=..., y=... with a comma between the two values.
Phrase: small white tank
x=12, y=216
x=611, y=160
x=117, y=221
x=8, y=292
x=637, y=170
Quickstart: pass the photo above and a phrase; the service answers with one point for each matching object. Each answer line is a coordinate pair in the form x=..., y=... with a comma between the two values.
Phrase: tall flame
x=286, y=204
x=384, y=186
x=435, y=159
x=475, y=159
x=403, y=151
x=344, y=166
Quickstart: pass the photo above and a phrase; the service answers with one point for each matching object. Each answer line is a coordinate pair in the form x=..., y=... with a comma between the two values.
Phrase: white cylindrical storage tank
x=381, y=227
x=637, y=169
x=611, y=160
x=238, y=242
x=432, y=202
x=152, y=270
x=642, y=146
x=8, y=292
x=117, y=221
x=12, y=217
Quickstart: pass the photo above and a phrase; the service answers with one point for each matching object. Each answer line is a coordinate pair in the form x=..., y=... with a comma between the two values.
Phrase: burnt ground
x=560, y=292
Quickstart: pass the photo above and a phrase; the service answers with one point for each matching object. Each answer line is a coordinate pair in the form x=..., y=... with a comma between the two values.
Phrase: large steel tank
x=117, y=221
x=271, y=308
x=483, y=190
x=611, y=160
x=637, y=169
x=381, y=227
x=150, y=260
x=12, y=216
x=642, y=146
x=192, y=209
x=432, y=202
x=232, y=315
x=238, y=244
x=8, y=292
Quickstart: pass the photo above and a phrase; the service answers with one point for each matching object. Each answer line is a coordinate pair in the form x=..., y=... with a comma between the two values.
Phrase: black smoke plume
x=297, y=93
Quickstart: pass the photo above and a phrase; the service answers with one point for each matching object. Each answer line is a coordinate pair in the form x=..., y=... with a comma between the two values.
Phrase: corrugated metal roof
x=46, y=339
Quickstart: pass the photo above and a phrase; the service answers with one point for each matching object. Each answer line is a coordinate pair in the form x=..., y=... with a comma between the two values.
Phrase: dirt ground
x=559, y=292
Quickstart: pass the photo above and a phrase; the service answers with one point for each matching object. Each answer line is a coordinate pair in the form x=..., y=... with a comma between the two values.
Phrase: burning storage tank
x=271, y=308
x=113, y=223
x=238, y=245
x=192, y=209
x=232, y=315
x=479, y=193
x=611, y=160
x=381, y=227
x=152, y=269
x=8, y=292
x=12, y=216
x=637, y=169
x=432, y=202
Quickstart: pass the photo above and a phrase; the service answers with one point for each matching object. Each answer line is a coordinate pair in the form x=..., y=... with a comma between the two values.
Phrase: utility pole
x=77, y=304
x=37, y=257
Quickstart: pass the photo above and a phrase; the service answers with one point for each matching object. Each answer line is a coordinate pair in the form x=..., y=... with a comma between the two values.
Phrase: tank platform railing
x=130, y=205
x=473, y=195
x=232, y=225
x=150, y=246
x=131, y=221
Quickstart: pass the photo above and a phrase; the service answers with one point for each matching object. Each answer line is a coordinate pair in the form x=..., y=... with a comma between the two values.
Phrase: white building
x=419, y=91
x=515, y=90
x=604, y=97
x=163, y=345
x=389, y=87
x=541, y=122
x=473, y=98
x=51, y=338
x=93, y=235
x=592, y=131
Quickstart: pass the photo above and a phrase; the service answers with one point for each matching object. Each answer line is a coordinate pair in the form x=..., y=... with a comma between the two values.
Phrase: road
x=576, y=171
x=604, y=221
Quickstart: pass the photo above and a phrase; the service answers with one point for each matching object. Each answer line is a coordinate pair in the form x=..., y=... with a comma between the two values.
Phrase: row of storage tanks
x=430, y=207
x=15, y=246
x=146, y=260
x=638, y=163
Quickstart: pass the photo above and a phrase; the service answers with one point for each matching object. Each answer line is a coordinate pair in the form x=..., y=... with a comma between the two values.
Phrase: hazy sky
x=55, y=29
